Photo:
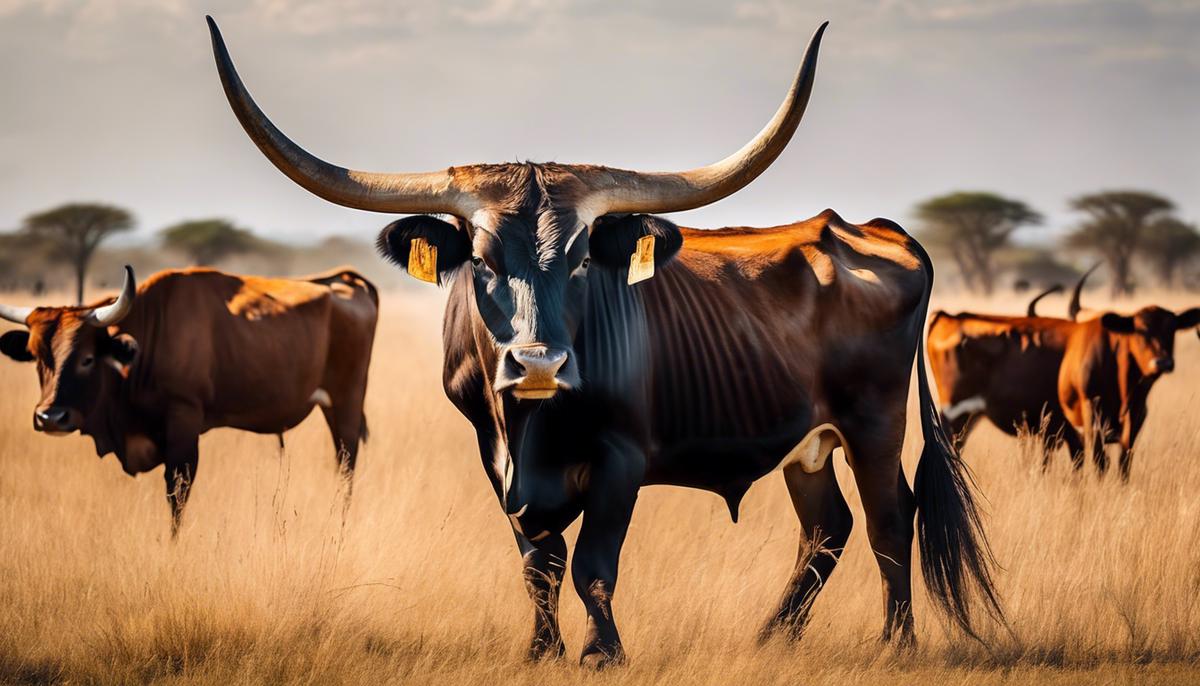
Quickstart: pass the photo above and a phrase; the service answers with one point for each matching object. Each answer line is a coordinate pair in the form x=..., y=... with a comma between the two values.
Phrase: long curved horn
x=16, y=315
x=114, y=313
x=618, y=190
x=393, y=193
x=1074, y=308
x=1031, y=311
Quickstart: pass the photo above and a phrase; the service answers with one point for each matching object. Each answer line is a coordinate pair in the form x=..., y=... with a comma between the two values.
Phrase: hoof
x=546, y=651
x=601, y=659
x=903, y=641
x=790, y=631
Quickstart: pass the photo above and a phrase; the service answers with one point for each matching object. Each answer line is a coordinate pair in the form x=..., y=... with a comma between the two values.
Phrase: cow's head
x=1150, y=333
x=79, y=361
x=529, y=233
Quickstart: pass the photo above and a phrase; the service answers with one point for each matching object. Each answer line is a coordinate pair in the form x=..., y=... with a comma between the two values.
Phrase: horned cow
x=146, y=374
x=597, y=348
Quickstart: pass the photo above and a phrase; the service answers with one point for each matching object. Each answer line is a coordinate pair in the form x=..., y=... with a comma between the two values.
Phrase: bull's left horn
x=114, y=313
x=16, y=315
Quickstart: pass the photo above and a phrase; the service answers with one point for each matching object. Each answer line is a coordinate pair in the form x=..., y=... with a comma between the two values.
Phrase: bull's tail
x=956, y=560
x=363, y=432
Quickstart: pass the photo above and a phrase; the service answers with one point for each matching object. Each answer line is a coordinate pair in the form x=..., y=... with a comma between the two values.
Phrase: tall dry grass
x=419, y=581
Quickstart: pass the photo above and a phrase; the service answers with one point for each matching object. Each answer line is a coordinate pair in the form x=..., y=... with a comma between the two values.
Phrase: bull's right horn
x=114, y=313
x=398, y=193
x=16, y=315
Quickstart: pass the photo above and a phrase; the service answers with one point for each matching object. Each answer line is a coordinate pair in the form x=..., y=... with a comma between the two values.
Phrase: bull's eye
x=87, y=361
x=586, y=261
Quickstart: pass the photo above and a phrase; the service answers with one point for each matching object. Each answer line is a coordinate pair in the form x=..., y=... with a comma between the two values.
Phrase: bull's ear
x=426, y=247
x=615, y=240
x=1188, y=318
x=120, y=352
x=15, y=344
x=1117, y=323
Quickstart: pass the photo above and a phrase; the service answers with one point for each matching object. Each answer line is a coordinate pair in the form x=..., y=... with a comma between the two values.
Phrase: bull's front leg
x=182, y=458
x=612, y=491
x=1131, y=425
x=545, y=566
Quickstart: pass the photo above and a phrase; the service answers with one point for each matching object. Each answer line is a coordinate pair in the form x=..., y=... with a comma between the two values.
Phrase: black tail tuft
x=956, y=560
x=363, y=432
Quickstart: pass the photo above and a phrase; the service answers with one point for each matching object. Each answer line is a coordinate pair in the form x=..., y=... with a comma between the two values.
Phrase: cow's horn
x=16, y=315
x=616, y=190
x=1074, y=308
x=400, y=193
x=114, y=313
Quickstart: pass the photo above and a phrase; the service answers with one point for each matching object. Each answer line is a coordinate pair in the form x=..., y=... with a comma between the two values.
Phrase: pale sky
x=119, y=101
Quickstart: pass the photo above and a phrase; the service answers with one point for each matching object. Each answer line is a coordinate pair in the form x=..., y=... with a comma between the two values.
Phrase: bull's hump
x=876, y=265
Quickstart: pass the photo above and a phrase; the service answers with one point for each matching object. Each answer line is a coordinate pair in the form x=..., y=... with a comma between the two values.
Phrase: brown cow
x=145, y=374
x=1003, y=368
x=1111, y=363
x=1077, y=382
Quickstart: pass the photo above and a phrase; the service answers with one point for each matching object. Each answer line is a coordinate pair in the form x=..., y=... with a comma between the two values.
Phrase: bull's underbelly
x=264, y=421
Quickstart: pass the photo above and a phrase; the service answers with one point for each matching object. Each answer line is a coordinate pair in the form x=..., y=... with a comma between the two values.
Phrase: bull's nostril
x=537, y=361
x=53, y=419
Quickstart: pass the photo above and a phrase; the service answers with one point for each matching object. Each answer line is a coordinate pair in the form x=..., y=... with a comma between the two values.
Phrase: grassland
x=418, y=580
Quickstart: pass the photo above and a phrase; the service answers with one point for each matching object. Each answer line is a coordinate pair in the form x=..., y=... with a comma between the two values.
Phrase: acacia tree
x=1170, y=243
x=208, y=241
x=972, y=226
x=75, y=231
x=1116, y=225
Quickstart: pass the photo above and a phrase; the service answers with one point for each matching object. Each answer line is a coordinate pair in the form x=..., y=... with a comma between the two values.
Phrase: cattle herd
x=595, y=348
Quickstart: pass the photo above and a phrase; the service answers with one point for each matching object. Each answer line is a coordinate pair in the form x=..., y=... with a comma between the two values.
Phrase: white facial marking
x=484, y=219
x=968, y=406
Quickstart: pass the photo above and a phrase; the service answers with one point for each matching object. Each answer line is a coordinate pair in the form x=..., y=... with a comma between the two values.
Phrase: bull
x=596, y=348
x=145, y=374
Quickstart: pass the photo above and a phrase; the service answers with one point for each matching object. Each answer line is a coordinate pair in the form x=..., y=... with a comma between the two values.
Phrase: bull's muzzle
x=56, y=420
x=536, y=371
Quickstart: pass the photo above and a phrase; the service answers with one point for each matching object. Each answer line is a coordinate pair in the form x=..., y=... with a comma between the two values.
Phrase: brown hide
x=1088, y=378
x=228, y=351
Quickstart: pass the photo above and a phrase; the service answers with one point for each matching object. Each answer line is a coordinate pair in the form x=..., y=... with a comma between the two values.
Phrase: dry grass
x=419, y=581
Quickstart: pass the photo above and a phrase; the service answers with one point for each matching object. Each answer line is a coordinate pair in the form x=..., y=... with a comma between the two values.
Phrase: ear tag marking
x=422, y=260
x=641, y=263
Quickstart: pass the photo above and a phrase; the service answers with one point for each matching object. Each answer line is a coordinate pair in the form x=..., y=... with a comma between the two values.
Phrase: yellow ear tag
x=422, y=260
x=641, y=264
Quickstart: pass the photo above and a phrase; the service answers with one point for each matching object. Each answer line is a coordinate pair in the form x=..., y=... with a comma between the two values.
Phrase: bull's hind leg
x=825, y=523
x=346, y=426
x=888, y=502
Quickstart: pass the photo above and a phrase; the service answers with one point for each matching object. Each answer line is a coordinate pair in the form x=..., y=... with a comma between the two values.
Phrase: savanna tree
x=1170, y=243
x=75, y=231
x=1116, y=225
x=208, y=241
x=972, y=226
